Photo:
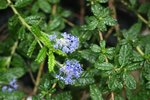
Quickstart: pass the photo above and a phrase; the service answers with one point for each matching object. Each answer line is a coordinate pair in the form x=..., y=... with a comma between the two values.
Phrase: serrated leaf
x=110, y=21
x=96, y=9
x=51, y=61
x=34, y=19
x=124, y=55
x=63, y=96
x=101, y=26
x=129, y=81
x=22, y=3
x=114, y=84
x=95, y=93
x=83, y=81
x=3, y=4
x=21, y=33
x=95, y=48
x=92, y=25
x=104, y=66
x=31, y=48
x=44, y=5
x=41, y=55
x=59, y=52
x=133, y=66
x=41, y=36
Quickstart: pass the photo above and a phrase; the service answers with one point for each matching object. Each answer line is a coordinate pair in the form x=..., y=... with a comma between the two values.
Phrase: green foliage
x=44, y=6
x=95, y=93
x=41, y=55
x=122, y=68
x=22, y=3
x=51, y=61
x=3, y=4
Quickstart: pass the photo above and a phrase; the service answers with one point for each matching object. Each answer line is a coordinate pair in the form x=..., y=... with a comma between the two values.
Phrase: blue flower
x=67, y=43
x=70, y=71
x=12, y=86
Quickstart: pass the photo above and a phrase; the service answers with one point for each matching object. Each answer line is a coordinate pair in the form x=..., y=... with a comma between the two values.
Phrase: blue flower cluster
x=68, y=43
x=70, y=71
x=12, y=86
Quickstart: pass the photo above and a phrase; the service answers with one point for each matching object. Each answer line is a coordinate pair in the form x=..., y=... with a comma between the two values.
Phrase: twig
x=108, y=33
x=112, y=96
x=100, y=35
x=137, y=14
x=69, y=23
x=114, y=15
x=31, y=75
x=38, y=78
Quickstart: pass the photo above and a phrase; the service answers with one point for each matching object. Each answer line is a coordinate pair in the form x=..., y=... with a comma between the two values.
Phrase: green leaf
x=104, y=66
x=110, y=21
x=55, y=23
x=96, y=9
x=95, y=93
x=95, y=48
x=83, y=81
x=31, y=48
x=114, y=84
x=18, y=61
x=41, y=36
x=21, y=33
x=12, y=73
x=101, y=26
x=51, y=61
x=63, y=96
x=15, y=95
x=133, y=2
x=44, y=5
x=22, y=3
x=3, y=4
x=89, y=55
x=125, y=55
x=102, y=44
x=129, y=81
x=41, y=55
x=144, y=7
x=93, y=24
x=34, y=19
x=132, y=33
x=86, y=78
x=133, y=66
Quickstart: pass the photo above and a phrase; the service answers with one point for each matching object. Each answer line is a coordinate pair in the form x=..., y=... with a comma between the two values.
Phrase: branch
x=38, y=78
